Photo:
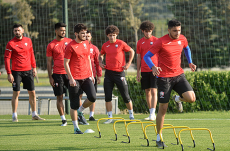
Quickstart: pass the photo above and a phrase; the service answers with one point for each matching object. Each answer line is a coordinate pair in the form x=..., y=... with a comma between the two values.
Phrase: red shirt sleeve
x=49, y=51
x=126, y=47
x=96, y=62
x=138, y=51
x=68, y=52
x=7, y=57
x=156, y=47
x=185, y=42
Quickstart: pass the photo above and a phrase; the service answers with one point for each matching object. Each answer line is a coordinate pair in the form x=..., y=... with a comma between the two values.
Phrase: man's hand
x=138, y=77
x=34, y=72
x=51, y=81
x=98, y=80
x=156, y=70
x=193, y=67
x=102, y=65
x=72, y=83
x=125, y=67
x=10, y=78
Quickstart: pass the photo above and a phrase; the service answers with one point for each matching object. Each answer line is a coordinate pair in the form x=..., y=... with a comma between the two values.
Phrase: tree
x=206, y=25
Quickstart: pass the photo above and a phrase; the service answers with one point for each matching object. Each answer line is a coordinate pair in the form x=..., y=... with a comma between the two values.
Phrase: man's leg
x=74, y=117
x=32, y=101
x=160, y=121
x=60, y=108
x=14, y=104
x=91, y=109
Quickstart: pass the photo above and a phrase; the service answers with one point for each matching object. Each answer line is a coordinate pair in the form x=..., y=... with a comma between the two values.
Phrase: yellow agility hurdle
x=105, y=119
x=146, y=137
x=194, y=141
x=175, y=133
x=114, y=128
x=135, y=123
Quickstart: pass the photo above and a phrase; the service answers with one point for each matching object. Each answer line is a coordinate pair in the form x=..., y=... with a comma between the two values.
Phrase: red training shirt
x=56, y=49
x=78, y=54
x=143, y=46
x=21, y=52
x=169, y=55
x=94, y=54
x=115, y=54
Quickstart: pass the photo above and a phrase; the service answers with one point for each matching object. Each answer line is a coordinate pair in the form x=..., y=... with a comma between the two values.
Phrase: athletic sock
x=15, y=114
x=131, y=113
x=91, y=114
x=81, y=109
x=152, y=111
x=34, y=113
x=75, y=124
x=158, y=137
x=110, y=114
x=63, y=117
x=177, y=99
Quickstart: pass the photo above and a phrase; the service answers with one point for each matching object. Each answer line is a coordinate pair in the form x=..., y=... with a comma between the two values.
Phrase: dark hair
x=17, y=25
x=79, y=27
x=111, y=29
x=173, y=23
x=58, y=25
x=146, y=26
x=88, y=32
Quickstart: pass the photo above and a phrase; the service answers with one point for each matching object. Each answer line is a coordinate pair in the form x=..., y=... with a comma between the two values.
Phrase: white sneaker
x=108, y=121
x=64, y=123
x=151, y=118
x=15, y=119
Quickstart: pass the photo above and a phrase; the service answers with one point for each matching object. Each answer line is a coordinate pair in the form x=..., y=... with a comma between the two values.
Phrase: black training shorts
x=95, y=85
x=26, y=77
x=118, y=78
x=166, y=85
x=61, y=82
x=87, y=86
x=148, y=80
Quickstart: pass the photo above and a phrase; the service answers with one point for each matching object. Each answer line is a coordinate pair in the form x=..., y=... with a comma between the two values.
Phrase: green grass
x=49, y=135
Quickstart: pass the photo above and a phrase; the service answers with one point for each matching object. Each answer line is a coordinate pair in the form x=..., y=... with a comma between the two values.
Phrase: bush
x=211, y=88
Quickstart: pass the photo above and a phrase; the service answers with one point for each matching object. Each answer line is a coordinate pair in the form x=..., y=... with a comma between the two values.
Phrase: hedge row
x=211, y=88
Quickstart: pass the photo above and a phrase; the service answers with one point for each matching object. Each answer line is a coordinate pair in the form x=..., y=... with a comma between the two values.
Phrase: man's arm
x=148, y=61
x=92, y=76
x=98, y=68
x=49, y=69
x=138, y=67
x=7, y=57
x=187, y=52
x=72, y=82
x=100, y=58
x=131, y=55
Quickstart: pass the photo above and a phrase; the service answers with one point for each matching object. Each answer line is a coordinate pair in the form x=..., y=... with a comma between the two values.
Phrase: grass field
x=49, y=135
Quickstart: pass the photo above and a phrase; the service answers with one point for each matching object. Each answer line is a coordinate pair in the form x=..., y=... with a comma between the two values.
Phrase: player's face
x=81, y=35
x=147, y=34
x=88, y=37
x=60, y=32
x=18, y=32
x=112, y=38
x=174, y=32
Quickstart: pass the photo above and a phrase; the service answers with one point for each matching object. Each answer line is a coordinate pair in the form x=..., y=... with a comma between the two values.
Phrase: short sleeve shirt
x=56, y=49
x=143, y=46
x=169, y=55
x=115, y=55
x=78, y=54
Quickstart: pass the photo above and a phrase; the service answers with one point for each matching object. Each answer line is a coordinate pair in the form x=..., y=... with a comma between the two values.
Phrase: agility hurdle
x=135, y=123
x=146, y=137
x=175, y=133
x=194, y=140
x=124, y=123
x=105, y=119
